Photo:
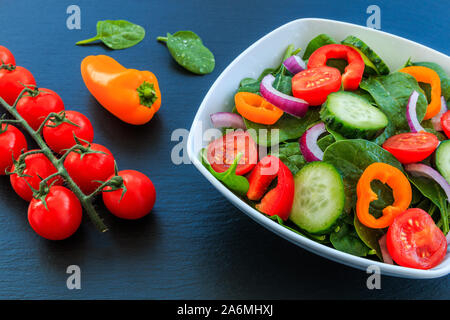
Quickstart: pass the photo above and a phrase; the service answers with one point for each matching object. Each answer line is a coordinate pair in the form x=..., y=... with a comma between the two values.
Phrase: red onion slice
x=308, y=143
x=293, y=106
x=294, y=64
x=436, y=120
x=227, y=120
x=384, y=251
x=411, y=113
x=422, y=170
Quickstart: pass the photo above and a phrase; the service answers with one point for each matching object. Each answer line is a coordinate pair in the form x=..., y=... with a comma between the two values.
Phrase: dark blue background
x=195, y=244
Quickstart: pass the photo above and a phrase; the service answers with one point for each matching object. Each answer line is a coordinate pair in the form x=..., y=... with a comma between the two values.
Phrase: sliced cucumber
x=367, y=54
x=352, y=116
x=319, y=198
x=443, y=159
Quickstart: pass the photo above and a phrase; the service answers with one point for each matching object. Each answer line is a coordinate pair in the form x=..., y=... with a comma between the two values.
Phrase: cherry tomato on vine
x=12, y=143
x=445, y=121
x=61, y=137
x=12, y=83
x=223, y=151
x=314, y=85
x=138, y=200
x=414, y=240
x=85, y=169
x=37, y=104
x=411, y=147
x=6, y=57
x=60, y=219
x=37, y=167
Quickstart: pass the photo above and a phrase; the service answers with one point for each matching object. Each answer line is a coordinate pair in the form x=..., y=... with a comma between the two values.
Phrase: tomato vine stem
x=86, y=201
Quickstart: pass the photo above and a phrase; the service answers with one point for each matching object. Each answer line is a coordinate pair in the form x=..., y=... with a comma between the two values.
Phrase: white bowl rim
x=304, y=242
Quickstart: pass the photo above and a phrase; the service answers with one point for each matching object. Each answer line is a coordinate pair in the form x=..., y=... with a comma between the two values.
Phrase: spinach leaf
x=117, y=34
x=290, y=154
x=283, y=83
x=430, y=189
x=319, y=41
x=238, y=184
x=351, y=158
x=369, y=236
x=347, y=240
x=289, y=127
x=188, y=51
x=321, y=238
x=249, y=85
x=391, y=94
x=326, y=141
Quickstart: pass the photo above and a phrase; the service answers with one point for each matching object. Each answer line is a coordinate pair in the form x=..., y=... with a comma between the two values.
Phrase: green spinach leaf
x=249, y=85
x=351, y=158
x=189, y=52
x=290, y=154
x=347, y=240
x=319, y=41
x=369, y=236
x=117, y=34
x=238, y=184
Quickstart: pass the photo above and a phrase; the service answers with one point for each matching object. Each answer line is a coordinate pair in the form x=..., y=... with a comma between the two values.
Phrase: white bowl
x=267, y=52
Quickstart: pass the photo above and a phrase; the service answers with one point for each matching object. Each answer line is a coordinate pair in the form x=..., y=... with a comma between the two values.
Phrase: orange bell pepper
x=131, y=95
x=401, y=189
x=257, y=109
x=427, y=75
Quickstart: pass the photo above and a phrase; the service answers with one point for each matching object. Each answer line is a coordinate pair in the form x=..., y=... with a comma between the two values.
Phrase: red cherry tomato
x=60, y=138
x=137, y=201
x=37, y=167
x=414, y=241
x=12, y=143
x=353, y=71
x=411, y=147
x=11, y=83
x=314, y=85
x=223, y=151
x=6, y=57
x=445, y=122
x=90, y=167
x=35, y=107
x=60, y=219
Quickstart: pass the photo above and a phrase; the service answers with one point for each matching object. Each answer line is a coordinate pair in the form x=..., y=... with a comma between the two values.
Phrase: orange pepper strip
x=427, y=75
x=257, y=109
x=131, y=95
x=401, y=189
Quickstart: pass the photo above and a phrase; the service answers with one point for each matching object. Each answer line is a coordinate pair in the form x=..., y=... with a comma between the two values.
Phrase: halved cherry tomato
x=314, y=85
x=353, y=71
x=411, y=147
x=36, y=105
x=59, y=217
x=257, y=109
x=6, y=57
x=445, y=122
x=414, y=240
x=12, y=143
x=427, y=75
x=37, y=167
x=401, y=190
x=223, y=151
x=61, y=137
x=12, y=82
x=277, y=201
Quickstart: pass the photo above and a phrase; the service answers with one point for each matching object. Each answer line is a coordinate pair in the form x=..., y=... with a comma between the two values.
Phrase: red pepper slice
x=353, y=72
x=277, y=201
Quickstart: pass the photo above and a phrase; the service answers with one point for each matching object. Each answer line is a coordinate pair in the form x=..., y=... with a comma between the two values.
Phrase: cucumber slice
x=443, y=159
x=366, y=52
x=352, y=116
x=319, y=198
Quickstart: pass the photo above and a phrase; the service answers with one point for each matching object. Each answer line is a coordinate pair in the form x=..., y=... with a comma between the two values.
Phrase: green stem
x=85, y=200
x=88, y=40
x=162, y=39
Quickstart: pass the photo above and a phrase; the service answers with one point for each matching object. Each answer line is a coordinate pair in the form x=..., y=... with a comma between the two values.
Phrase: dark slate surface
x=195, y=244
